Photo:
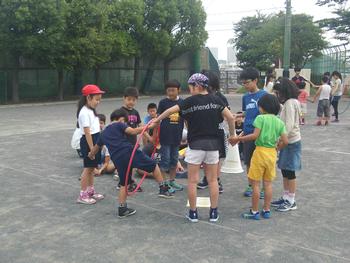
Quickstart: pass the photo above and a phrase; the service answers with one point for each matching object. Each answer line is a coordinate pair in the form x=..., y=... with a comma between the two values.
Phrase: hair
x=172, y=84
x=131, y=92
x=325, y=79
x=270, y=104
x=302, y=85
x=327, y=73
x=249, y=73
x=297, y=69
x=102, y=117
x=119, y=113
x=269, y=76
x=214, y=80
x=286, y=89
x=337, y=73
x=151, y=106
x=82, y=102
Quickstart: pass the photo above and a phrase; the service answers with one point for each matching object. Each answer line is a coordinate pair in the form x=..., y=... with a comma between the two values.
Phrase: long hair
x=214, y=80
x=286, y=89
x=82, y=102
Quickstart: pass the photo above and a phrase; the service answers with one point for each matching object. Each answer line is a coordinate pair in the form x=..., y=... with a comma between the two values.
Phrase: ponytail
x=82, y=102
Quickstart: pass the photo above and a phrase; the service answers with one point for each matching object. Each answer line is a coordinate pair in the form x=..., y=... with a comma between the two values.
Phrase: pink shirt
x=303, y=95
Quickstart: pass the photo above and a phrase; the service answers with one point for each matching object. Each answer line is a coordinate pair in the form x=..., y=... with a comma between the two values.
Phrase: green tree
x=27, y=30
x=259, y=40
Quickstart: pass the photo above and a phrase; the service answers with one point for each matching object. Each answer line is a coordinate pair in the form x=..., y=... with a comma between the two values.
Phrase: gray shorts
x=323, y=108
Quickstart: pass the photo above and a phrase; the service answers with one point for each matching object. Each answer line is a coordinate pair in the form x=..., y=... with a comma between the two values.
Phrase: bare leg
x=292, y=185
x=193, y=178
x=256, y=195
x=85, y=178
x=172, y=173
x=211, y=172
x=285, y=184
x=268, y=195
x=122, y=195
x=158, y=175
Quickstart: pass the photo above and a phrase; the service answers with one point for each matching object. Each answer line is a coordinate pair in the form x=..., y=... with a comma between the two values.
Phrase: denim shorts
x=169, y=156
x=290, y=157
x=323, y=108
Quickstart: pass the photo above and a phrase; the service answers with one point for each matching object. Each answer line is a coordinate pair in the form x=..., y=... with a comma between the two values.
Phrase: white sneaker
x=85, y=199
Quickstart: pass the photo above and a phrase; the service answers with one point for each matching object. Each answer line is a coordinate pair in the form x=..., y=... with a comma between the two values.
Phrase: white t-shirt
x=268, y=88
x=339, y=90
x=86, y=119
x=325, y=92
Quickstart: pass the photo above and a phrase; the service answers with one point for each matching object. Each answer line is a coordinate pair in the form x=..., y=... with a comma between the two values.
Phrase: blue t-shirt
x=114, y=137
x=251, y=109
x=171, y=127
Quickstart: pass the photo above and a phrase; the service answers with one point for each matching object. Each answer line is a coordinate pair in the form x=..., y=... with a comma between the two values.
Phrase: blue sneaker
x=250, y=215
x=213, y=215
x=192, y=216
x=278, y=202
x=248, y=191
x=266, y=214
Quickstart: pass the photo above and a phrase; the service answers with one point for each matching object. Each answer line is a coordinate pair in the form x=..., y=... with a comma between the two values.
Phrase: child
x=147, y=139
x=170, y=134
x=269, y=83
x=289, y=159
x=239, y=130
x=214, y=86
x=203, y=113
x=131, y=95
x=337, y=92
x=302, y=98
x=90, y=128
x=120, y=149
x=268, y=129
x=250, y=78
x=323, y=107
x=298, y=79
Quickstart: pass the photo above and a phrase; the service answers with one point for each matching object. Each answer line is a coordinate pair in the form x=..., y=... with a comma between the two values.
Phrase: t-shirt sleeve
x=122, y=127
x=84, y=120
x=283, y=129
x=258, y=122
x=220, y=102
x=185, y=104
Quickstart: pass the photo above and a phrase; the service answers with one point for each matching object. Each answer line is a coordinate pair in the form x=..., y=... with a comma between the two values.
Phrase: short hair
x=286, y=89
x=101, y=117
x=249, y=73
x=119, y=113
x=172, y=84
x=214, y=79
x=151, y=106
x=297, y=69
x=327, y=73
x=131, y=92
x=325, y=79
x=270, y=104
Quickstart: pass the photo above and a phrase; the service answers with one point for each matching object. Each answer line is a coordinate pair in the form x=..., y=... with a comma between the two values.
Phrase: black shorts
x=84, y=149
x=222, y=146
x=248, y=150
x=140, y=161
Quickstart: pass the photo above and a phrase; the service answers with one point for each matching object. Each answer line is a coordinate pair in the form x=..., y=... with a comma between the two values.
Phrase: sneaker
x=116, y=177
x=164, y=191
x=248, y=191
x=262, y=194
x=250, y=215
x=203, y=184
x=125, y=211
x=213, y=215
x=85, y=199
x=174, y=185
x=266, y=214
x=221, y=188
x=96, y=196
x=286, y=206
x=192, y=216
x=133, y=186
x=278, y=202
x=170, y=189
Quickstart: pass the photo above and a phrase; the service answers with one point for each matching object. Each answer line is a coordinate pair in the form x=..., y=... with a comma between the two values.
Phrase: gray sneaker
x=125, y=211
x=286, y=206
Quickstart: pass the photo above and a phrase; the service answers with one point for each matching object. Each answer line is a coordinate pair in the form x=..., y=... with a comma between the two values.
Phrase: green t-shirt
x=271, y=128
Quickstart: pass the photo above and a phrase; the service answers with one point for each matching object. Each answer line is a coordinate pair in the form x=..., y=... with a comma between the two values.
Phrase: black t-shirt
x=171, y=127
x=298, y=80
x=239, y=128
x=223, y=98
x=203, y=115
x=134, y=121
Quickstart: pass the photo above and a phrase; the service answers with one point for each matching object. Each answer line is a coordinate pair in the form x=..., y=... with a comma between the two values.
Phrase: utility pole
x=287, y=38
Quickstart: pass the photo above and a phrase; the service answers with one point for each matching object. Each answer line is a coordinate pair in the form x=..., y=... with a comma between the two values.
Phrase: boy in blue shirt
x=115, y=138
x=170, y=134
x=250, y=79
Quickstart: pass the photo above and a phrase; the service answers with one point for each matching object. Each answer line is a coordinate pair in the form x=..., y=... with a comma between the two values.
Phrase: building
x=215, y=52
x=231, y=55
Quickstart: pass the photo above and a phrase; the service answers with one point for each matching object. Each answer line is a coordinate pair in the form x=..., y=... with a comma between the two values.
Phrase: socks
x=291, y=198
x=122, y=205
x=285, y=195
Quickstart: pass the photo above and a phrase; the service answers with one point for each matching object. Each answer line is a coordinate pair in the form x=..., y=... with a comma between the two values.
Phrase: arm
x=88, y=137
x=241, y=138
x=283, y=141
x=133, y=131
x=317, y=94
x=226, y=114
x=93, y=151
x=335, y=88
x=167, y=113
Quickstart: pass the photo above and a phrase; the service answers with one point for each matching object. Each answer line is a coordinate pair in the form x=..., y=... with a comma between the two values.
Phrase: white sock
x=285, y=195
x=291, y=198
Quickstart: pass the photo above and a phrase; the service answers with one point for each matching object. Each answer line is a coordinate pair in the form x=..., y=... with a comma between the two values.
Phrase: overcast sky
x=221, y=14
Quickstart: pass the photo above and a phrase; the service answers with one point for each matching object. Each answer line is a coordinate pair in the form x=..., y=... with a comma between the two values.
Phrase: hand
x=91, y=156
x=233, y=140
x=179, y=168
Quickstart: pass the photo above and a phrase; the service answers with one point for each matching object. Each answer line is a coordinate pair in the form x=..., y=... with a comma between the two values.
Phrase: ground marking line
x=202, y=222
x=337, y=152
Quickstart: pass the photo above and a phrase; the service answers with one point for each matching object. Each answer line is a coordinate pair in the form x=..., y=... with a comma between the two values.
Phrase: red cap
x=91, y=89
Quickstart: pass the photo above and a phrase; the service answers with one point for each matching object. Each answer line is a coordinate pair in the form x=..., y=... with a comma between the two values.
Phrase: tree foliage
x=259, y=40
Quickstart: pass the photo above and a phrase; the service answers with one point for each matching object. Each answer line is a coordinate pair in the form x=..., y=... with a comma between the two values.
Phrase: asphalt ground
x=41, y=222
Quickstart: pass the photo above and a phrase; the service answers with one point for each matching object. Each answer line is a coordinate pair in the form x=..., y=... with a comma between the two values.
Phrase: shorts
x=303, y=107
x=84, y=149
x=290, y=157
x=199, y=156
x=263, y=164
x=223, y=144
x=169, y=156
x=248, y=150
x=323, y=108
x=140, y=161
